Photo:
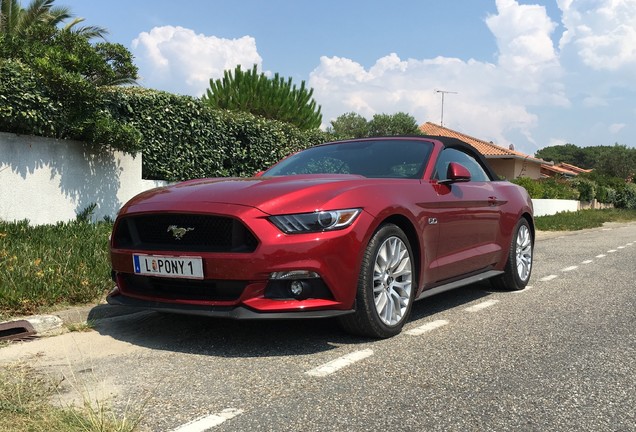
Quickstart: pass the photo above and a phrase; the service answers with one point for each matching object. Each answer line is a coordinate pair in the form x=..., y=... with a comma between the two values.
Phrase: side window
x=448, y=155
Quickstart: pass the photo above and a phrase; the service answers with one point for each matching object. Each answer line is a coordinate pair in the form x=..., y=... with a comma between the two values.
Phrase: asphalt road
x=558, y=356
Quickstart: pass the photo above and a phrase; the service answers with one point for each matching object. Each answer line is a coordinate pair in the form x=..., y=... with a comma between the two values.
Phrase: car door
x=468, y=216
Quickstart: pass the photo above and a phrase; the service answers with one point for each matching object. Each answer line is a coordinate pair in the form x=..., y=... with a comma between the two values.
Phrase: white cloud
x=603, y=32
x=523, y=37
x=616, y=127
x=177, y=59
x=492, y=102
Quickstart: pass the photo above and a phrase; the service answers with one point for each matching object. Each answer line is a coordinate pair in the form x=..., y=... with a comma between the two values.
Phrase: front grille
x=183, y=232
x=181, y=289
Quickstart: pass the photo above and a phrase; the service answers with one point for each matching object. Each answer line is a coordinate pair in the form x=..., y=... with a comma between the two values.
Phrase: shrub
x=626, y=197
x=606, y=194
x=534, y=188
x=554, y=188
x=586, y=188
x=183, y=138
x=24, y=107
x=50, y=85
x=549, y=188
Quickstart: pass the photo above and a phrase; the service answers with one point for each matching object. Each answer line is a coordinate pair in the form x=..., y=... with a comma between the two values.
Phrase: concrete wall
x=546, y=207
x=46, y=180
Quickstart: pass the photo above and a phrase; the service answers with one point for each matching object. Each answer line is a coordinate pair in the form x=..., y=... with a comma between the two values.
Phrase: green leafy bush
x=549, y=188
x=533, y=187
x=606, y=194
x=50, y=85
x=24, y=107
x=626, y=196
x=183, y=138
x=586, y=188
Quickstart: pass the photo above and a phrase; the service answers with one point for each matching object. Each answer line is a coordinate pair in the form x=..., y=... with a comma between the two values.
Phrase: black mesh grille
x=183, y=289
x=184, y=232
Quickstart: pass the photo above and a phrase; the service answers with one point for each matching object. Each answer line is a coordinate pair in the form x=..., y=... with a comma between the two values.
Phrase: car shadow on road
x=258, y=338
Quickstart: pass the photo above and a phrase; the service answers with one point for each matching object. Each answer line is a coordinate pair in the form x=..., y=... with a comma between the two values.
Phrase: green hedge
x=549, y=188
x=607, y=191
x=183, y=138
x=29, y=106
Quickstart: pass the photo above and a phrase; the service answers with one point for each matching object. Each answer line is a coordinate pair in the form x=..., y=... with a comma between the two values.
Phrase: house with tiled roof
x=562, y=169
x=506, y=162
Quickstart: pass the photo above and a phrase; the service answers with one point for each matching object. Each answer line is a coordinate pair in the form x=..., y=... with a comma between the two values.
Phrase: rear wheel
x=385, y=286
x=519, y=266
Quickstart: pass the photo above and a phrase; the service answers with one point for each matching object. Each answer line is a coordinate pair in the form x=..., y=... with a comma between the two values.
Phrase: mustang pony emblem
x=178, y=232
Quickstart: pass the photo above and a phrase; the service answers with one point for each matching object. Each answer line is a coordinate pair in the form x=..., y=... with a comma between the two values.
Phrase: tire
x=519, y=265
x=386, y=286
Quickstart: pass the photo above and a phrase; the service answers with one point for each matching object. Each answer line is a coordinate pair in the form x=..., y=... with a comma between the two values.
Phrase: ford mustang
x=356, y=229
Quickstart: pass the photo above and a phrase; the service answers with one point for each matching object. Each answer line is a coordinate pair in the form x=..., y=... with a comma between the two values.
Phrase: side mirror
x=456, y=173
x=259, y=174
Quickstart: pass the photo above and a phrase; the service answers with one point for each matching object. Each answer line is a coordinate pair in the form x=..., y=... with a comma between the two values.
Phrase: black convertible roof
x=450, y=142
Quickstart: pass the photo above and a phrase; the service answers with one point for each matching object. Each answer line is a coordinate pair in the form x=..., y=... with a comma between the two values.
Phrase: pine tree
x=273, y=98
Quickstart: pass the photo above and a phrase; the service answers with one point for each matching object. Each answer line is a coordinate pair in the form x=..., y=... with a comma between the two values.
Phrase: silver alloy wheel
x=392, y=274
x=524, y=253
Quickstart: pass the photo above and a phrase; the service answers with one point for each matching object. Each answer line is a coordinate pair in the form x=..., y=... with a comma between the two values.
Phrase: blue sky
x=528, y=72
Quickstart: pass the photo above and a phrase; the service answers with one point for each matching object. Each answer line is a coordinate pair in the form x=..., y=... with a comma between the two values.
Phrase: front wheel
x=385, y=286
x=519, y=265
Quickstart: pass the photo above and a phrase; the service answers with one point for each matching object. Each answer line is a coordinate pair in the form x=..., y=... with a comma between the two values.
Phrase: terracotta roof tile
x=556, y=169
x=574, y=168
x=484, y=147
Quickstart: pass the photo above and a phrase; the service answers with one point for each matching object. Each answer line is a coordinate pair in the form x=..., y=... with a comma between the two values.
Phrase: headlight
x=316, y=221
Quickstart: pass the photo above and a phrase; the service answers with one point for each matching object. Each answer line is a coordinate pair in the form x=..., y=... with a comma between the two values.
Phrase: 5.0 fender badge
x=178, y=232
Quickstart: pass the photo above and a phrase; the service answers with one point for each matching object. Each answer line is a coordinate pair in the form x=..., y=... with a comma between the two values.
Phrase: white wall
x=46, y=180
x=546, y=207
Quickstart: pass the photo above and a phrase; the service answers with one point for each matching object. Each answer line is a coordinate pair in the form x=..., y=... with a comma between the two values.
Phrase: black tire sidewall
x=365, y=283
x=512, y=261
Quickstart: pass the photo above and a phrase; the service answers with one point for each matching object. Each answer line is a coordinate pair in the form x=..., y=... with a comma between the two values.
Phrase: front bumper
x=233, y=312
x=335, y=256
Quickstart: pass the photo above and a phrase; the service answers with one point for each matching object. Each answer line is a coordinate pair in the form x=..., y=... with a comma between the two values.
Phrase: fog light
x=296, y=288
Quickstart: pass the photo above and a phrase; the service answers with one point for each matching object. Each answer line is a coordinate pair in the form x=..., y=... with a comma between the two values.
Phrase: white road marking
x=587, y=262
x=600, y=256
x=548, y=278
x=621, y=247
x=417, y=331
x=567, y=269
x=339, y=363
x=207, y=422
x=611, y=251
x=482, y=305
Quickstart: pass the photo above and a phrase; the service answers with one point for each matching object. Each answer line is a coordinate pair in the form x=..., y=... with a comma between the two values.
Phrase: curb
x=53, y=324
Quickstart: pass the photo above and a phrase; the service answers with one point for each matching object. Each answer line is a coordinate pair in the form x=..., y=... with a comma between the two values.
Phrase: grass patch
x=85, y=326
x=573, y=221
x=52, y=265
x=25, y=406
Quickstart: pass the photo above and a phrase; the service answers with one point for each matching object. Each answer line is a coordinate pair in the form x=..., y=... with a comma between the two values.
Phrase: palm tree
x=15, y=20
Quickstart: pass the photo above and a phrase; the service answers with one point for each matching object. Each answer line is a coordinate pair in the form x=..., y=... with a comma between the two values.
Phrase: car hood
x=272, y=195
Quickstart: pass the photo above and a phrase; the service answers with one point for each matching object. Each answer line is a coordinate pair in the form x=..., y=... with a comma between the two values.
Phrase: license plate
x=165, y=266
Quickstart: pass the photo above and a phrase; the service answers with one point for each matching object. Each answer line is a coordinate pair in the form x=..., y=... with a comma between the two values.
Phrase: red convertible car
x=356, y=229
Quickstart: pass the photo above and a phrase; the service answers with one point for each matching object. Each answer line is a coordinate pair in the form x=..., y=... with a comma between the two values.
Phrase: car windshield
x=390, y=158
